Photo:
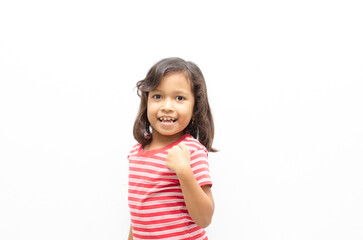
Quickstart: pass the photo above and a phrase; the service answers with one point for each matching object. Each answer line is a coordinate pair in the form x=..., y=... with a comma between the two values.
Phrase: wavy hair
x=201, y=126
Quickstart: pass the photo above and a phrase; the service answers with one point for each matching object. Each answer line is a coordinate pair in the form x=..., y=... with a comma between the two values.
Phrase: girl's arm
x=130, y=234
x=199, y=200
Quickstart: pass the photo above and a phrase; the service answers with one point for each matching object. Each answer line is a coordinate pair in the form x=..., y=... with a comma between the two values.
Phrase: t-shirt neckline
x=159, y=150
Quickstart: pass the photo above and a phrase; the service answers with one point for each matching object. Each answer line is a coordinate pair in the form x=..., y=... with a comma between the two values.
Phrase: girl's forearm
x=199, y=202
x=130, y=234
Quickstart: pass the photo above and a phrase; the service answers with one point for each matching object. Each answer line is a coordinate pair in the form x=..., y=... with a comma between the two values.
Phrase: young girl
x=169, y=184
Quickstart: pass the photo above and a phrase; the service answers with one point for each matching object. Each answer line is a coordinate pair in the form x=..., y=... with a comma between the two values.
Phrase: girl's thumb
x=183, y=147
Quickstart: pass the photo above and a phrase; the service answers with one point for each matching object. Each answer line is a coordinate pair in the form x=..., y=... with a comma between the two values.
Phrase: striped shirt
x=155, y=198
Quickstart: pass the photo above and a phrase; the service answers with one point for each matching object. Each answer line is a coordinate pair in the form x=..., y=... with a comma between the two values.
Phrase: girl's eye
x=180, y=98
x=157, y=96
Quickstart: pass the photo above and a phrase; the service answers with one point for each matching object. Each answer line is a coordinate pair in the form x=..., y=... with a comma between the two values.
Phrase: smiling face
x=170, y=107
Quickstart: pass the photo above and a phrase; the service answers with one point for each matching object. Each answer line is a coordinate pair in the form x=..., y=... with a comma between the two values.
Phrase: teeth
x=167, y=119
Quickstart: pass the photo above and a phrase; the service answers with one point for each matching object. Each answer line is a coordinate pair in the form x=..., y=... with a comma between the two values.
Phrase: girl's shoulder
x=135, y=149
x=193, y=144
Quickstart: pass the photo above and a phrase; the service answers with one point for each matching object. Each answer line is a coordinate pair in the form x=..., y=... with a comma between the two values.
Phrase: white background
x=285, y=82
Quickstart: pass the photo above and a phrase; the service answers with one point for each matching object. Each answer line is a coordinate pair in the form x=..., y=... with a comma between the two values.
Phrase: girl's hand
x=178, y=158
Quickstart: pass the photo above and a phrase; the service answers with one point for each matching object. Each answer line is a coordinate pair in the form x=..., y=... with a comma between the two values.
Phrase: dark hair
x=201, y=126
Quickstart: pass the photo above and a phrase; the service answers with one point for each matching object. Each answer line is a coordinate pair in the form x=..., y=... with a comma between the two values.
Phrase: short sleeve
x=200, y=166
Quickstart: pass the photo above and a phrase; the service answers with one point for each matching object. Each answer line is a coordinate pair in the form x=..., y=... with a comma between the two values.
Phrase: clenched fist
x=178, y=158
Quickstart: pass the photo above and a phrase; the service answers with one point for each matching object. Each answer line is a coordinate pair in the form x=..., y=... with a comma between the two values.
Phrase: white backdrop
x=285, y=82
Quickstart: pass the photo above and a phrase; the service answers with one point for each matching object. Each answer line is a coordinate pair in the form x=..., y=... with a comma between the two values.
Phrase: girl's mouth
x=167, y=120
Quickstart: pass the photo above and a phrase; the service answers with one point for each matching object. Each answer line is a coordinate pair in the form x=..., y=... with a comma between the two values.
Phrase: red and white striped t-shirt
x=155, y=198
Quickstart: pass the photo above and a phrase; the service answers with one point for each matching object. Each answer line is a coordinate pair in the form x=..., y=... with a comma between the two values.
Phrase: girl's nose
x=168, y=105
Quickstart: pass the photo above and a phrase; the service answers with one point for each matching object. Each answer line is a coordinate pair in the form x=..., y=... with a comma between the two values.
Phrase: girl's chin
x=168, y=129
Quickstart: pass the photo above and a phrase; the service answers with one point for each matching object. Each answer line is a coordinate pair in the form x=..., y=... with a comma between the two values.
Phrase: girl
x=169, y=184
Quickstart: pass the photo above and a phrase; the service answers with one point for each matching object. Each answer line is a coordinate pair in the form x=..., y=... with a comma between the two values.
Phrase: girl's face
x=170, y=106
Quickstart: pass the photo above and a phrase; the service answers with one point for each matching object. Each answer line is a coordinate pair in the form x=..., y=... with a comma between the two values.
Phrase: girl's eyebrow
x=181, y=92
x=175, y=92
x=156, y=90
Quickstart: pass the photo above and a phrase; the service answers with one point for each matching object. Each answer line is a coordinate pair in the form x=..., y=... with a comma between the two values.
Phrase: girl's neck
x=160, y=141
